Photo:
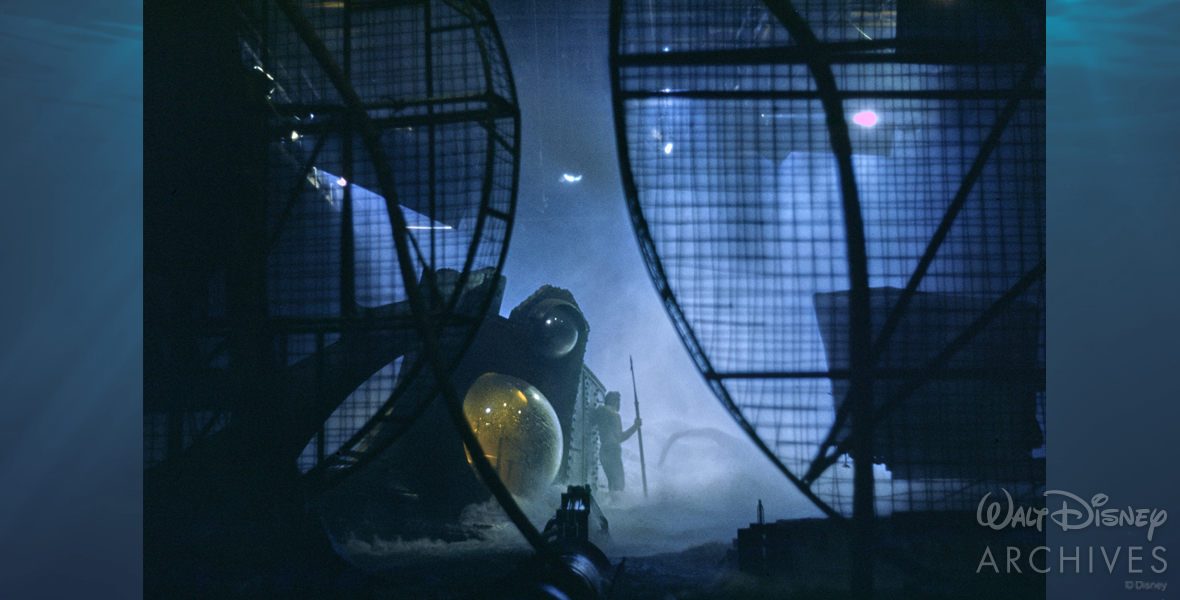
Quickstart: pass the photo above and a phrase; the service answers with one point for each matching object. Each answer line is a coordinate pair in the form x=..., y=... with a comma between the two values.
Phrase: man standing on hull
x=611, y=437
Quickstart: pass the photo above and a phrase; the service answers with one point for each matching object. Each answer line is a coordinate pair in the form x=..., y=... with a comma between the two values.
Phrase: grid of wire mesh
x=433, y=82
x=734, y=183
x=432, y=79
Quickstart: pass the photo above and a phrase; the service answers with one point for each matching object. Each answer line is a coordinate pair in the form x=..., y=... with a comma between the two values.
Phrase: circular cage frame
x=661, y=53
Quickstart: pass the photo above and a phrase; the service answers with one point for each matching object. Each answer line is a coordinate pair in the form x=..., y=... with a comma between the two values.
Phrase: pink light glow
x=866, y=118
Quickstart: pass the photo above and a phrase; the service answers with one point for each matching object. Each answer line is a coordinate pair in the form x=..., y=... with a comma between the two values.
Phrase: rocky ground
x=914, y=559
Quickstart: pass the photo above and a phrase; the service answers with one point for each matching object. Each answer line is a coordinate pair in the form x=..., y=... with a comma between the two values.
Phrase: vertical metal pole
x=863, y=495
x=639, y=431
x=347, y=241
x=432, y=164
x=319, y=383
x=859, y=332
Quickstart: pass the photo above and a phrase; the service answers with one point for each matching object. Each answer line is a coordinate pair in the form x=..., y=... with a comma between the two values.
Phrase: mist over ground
x=707, y=488
x=577, y=235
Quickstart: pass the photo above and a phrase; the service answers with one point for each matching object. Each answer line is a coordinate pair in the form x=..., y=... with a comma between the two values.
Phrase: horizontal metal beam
x=1007, y=94
x=375, y=319
x=830, y=53
x=459, y=27
x=1036, y=375
x=485, y=115
x=300, y=110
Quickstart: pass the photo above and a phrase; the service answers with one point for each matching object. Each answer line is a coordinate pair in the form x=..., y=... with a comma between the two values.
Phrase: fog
x=577, y=235
x=704, y=475
x=706, y=489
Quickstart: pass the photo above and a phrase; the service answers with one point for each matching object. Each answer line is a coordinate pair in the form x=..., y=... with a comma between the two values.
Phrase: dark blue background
x=71, y=293
x=1113, y=281
x=71, y=289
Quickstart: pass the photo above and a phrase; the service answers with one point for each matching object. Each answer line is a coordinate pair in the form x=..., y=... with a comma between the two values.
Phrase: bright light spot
x=342, y=182
x=667, y=49
x=572, y=178
x=294, y=135
x=488, y=409
x=665, y=90
x=866, y=118
x=668, y=148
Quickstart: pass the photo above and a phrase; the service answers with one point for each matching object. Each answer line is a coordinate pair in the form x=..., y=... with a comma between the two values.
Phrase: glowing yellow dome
x=517, y=429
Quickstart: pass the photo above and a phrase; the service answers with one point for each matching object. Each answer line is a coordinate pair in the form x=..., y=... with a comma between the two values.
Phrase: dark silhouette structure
x=329, y=195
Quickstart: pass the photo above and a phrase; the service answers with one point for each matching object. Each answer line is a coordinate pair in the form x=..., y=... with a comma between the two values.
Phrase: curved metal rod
x=486, y=190
x=324, y=477
x=319, y=474
x=423, y=318
x=660, y=279
x=481, y=220
x=860, y=327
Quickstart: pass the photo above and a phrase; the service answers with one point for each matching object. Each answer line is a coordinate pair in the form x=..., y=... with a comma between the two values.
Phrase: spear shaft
x=638, y=430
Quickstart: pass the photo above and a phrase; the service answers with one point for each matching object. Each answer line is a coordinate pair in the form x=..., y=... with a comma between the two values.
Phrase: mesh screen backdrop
x=729, y=136
x=434, y=83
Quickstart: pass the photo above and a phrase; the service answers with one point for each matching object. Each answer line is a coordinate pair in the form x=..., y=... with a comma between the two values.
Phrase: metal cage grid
x=432, y=79
x=785, y=161
x=334, y=318
x=434, y=82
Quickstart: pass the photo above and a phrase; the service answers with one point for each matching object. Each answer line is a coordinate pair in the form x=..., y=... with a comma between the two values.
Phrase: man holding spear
x=611, y=437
